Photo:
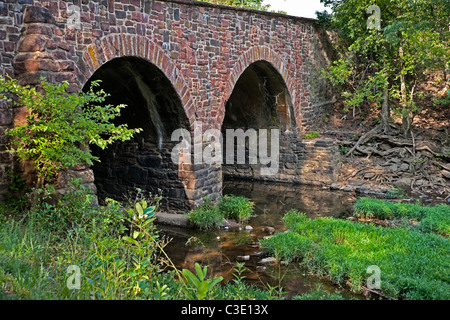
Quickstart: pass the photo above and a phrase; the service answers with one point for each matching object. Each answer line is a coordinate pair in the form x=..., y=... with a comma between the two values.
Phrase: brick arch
x=121, y=45
x=255, y=54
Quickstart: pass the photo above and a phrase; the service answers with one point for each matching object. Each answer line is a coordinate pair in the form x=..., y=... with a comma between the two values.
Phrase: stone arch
x=122, y=45
x=255, y=54
x=146, y=165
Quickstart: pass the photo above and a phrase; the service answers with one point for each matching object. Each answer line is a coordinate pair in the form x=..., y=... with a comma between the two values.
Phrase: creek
x=221, y=249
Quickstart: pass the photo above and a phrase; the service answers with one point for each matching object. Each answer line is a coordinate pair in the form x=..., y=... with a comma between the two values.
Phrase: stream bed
x=221, y=249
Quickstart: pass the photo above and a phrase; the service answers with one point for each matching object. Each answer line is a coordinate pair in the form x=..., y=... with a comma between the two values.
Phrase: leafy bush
x=413, y=265
x=61, y=126
x=58, y=213
x=238, y=208
x=199, y=285
x=116, y=262
x=209, y=215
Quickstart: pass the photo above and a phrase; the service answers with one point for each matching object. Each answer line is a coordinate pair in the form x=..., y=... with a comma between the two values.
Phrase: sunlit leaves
x=414, y=38
x=199, y=285
x=61, y=126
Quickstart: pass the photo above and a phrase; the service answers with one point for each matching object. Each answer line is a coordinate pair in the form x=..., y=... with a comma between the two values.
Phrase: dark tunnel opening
x=145, y=161
x=260, y=100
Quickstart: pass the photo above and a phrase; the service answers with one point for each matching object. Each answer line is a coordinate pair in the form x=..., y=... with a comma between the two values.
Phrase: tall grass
x=413, y=265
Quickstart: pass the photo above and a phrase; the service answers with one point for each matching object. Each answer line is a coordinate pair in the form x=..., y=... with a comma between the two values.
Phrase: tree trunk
x=447, y=77
x=385, y=111
x=406, y=121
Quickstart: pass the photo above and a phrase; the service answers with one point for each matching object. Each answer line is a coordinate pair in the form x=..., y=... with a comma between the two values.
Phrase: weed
x=209, y=215
x=237, y=208
x=206, y=216
x=199, y=285
x=318, y=293
x=311, y=135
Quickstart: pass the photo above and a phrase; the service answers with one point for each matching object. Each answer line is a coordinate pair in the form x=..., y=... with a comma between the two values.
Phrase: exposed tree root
x=363, y=139
x=425, y=160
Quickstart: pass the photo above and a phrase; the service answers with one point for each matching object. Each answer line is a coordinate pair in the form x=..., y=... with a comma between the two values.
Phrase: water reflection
x=273, y=200
x=221, y=249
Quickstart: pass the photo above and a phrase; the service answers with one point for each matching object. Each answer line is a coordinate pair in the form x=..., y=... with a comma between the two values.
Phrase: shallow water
x=221, y=249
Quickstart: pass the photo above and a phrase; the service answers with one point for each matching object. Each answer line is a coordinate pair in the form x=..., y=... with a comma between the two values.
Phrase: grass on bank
x=425, y=218
x=413, y=265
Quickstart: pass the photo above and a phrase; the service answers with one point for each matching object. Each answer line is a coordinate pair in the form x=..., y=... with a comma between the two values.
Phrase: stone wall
x=201, y=48
x=313, y=162
x=11, y=19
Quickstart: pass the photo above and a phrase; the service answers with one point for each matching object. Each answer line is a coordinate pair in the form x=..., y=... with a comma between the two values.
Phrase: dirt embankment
x=375, y=161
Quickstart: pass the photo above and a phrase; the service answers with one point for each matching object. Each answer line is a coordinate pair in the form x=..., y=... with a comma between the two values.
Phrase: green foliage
x=209, y=216
x=311, y=135
x=413, y=265
x=414, y=38
x=116, y=262
x=239, y=290
x=250, y=4
x=343, y=149
x=61, y=126
x=235, y=207
x=431, y=219
x=206, y=216
x=444, y=100
x=16, y=197
x=199, y=285
x=58, y=213
x=396, y=193
x=116, y=247
x=318, y=293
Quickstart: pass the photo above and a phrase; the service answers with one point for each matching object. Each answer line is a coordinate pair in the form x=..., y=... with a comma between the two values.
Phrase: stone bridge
x=176, y=63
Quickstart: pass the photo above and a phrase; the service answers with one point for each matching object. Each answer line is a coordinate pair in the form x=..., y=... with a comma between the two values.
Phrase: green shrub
x=237, y=208
x=115, y=263
x=61, y=126
x=199, y=286
x=209, y=215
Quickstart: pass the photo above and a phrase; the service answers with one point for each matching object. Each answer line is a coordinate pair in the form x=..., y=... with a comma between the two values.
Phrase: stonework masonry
x=201, y=48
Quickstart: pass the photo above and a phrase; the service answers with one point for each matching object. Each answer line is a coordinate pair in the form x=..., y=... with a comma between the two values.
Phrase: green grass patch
x=318, y=294
x=237, y=208
x=311, y=135
x=431, y=219
x=209, y=215
x=413, y=265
